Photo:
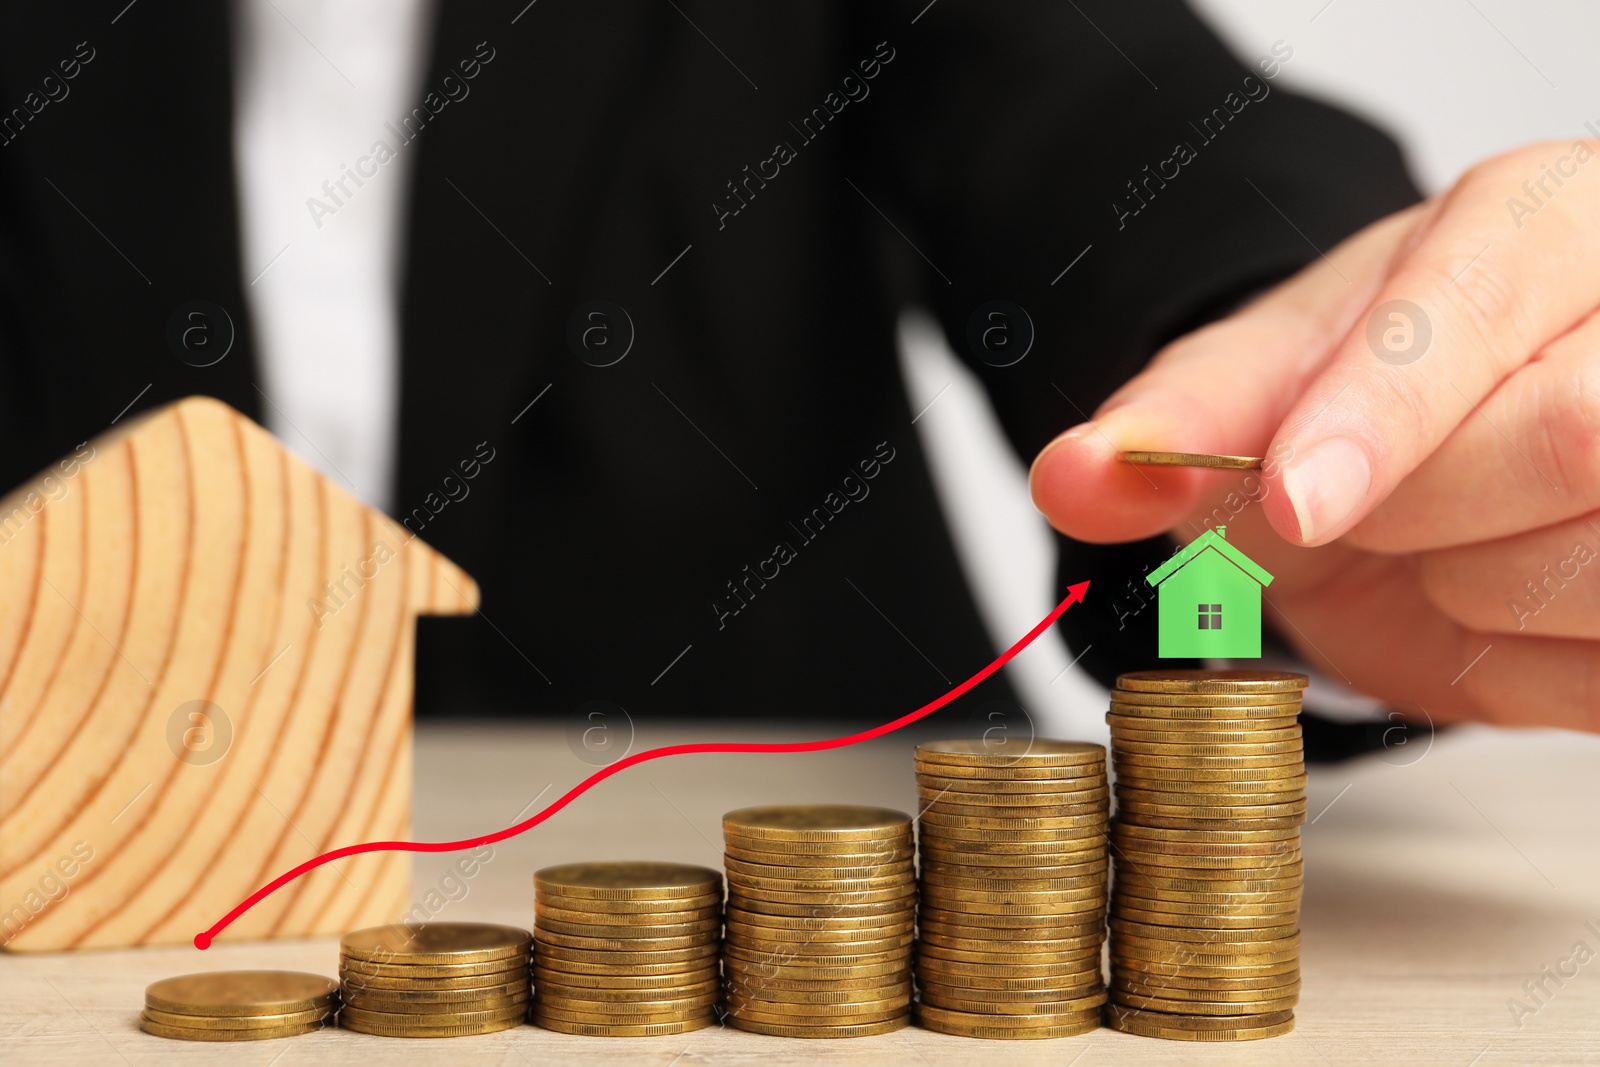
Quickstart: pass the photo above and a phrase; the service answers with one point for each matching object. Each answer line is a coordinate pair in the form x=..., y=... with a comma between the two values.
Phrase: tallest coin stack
x=1205, y=911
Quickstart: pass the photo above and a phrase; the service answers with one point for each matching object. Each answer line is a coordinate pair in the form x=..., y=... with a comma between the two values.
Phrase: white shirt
x=322, y=256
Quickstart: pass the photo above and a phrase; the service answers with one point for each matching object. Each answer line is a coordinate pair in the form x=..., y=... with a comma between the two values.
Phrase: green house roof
x=1210, y=539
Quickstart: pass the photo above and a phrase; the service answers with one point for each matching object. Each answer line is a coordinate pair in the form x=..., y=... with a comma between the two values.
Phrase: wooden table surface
x=1438, y=881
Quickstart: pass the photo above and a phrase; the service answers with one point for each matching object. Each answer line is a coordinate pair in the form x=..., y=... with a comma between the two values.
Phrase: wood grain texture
x=175, y=582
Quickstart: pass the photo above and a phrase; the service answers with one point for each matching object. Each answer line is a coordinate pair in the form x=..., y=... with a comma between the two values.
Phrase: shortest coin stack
x=821, y=903
x=239, y=1005
x=1013, y=909
x=434, y=980
x=626, y=949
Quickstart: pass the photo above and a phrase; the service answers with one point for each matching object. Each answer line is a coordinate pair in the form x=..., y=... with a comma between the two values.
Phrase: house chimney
x=1222, y=531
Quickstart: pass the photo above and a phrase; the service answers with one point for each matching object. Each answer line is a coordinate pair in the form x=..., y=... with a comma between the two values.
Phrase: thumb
x=1222, y=389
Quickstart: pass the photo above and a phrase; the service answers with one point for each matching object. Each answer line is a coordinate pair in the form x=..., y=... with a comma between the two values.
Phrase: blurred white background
x=1454, y=81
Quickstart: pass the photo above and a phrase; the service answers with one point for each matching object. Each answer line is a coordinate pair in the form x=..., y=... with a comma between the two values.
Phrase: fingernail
x=1326, y=484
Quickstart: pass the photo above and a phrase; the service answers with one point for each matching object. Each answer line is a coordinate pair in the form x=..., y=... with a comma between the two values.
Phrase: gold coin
x=1174, y=822
x=671, y=930
x=888, y=897
x=888, y=1026
x=1229, y=922
x=1204, y=836
x=629, y=996
x=1078, y=955
x=1081, y=887
x=1294, y=758
x=812, y=872
x=1129, y=931
x=1146, y=1027
x=1202, y=790
x=411, y=971
x=1063, y=946
x=1208, y=681
x=241, y=993
x=788, y=973
x=565, y=956
x=790, y=823
x=861, y=994
x=1087, y=984
x=372, y=1022
x=1122, y=735
x=434, y=1009
x=279, y=1021
x=1043, y=875
x=957, y=971
x=1043, y=779
x=938, y=834
x=845, y=937
x=1136, y=727
x=942, y=804
x=819, y=885
x=933, y=890
x=801, y=948
x=592, y=906
x=435, y=943
x=1088, y=861
x=979, y=790
x=582, y=1029
x=1198, y=974
x=1154, y=711
x=1242, y=807
x=195, y=1033
x=1193, y=459
x=1136, y=752
x=1142, y=897
x=553, y=1001
x=354, y=994
x=1065, y=986
x=741, y=918
x=682, y=979
x=1285, y=875
x=1215, y=779
x=626, y=944
x=952, y=926
x=643, y=918
x=816, y=905
x=828, y=856
x=1001, y=915
x=1224, y=795
x=628, y=881
x=1006, y=1027
x=1014, y=1007
x=545, y=1016
x=1038, y=752
x=1250, y=1002
x=937, y=822
x=357, y=980
x=786, y=956
x=1209, y=988
x=828, y=1016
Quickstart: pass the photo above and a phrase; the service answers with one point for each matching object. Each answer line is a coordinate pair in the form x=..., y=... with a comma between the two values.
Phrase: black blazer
x=760, y=190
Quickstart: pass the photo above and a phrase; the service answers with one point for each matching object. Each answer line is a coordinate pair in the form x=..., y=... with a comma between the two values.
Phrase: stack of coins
x=239, y=1005
x=434, y=980
x=821, y=905
x=1205, y=915
x=1012, y=916
x=626, y=949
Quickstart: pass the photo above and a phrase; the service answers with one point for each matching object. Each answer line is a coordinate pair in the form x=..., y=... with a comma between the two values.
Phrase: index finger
x=1483, y=290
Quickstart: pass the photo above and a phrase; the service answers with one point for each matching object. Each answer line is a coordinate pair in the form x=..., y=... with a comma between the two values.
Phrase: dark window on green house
x=1210, y=616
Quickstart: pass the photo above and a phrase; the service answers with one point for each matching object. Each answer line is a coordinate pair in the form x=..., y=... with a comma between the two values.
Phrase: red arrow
x=202, y=940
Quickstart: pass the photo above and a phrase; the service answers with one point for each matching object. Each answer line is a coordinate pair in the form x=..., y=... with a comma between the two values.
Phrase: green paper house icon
x=1209, y=601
